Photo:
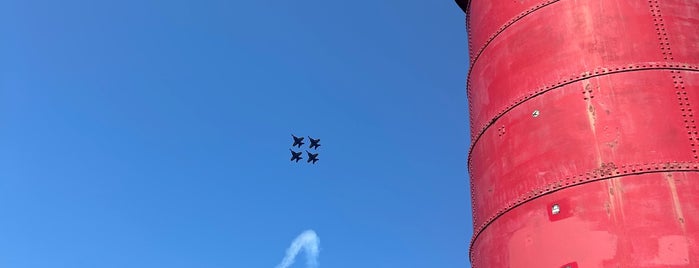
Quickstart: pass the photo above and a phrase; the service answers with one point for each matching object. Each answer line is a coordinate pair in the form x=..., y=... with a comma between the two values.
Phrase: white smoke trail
x=309, y=241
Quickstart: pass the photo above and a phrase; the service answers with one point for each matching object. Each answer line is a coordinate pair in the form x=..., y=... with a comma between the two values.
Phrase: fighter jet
x=314, y=143
x=312, y=157
x=295, y=155
x=297, y=141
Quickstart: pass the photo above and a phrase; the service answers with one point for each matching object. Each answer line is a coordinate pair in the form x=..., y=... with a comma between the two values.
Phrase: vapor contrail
x=309, y=241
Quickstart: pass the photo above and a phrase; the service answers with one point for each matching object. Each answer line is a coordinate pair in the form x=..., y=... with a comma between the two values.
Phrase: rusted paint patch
x=619, y=197
x=675, y=200
x=610, y=206
x=605, y=169
x=587, y=92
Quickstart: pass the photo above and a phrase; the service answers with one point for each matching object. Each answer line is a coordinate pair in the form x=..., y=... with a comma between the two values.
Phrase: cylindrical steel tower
x=584, y=133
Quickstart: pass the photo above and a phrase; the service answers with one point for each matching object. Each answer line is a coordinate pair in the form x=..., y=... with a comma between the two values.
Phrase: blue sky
x=157, y=133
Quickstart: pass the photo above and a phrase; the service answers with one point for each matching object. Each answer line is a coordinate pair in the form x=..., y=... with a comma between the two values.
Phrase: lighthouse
x=584, y=141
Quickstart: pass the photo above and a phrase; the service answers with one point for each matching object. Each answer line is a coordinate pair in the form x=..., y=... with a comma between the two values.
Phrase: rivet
x=535, y=113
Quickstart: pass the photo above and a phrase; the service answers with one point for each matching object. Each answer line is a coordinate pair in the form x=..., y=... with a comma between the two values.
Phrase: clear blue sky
x=157, y=133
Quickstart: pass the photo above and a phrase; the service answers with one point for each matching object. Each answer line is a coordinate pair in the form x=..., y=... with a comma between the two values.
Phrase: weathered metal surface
x=646, y=220
x=584, y=139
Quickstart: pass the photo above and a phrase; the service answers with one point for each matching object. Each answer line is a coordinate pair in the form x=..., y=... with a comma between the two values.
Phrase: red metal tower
x=584, y=133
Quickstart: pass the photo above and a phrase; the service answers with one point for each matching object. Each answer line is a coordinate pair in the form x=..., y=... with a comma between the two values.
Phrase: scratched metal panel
x=604, y=121
x=535, y=52
x=628, y=125
x=646, y=220
x=512, y=156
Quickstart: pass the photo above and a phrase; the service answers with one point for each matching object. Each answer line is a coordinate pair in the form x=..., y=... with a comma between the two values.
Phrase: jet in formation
x=297, y=141
x=312, y=157
x=314, y=143
x=295, y=155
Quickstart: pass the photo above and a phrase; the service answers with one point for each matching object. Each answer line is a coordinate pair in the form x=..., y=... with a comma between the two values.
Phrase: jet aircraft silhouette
x=312, y=157
x=297, y=141
x=314, y=143
x=295, y=155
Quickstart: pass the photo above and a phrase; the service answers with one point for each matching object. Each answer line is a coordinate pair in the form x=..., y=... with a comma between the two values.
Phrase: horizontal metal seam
x=508, y=24
x=583, y=76
x=587, y=177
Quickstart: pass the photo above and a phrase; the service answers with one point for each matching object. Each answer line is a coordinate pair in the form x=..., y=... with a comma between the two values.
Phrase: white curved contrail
x=309, y=241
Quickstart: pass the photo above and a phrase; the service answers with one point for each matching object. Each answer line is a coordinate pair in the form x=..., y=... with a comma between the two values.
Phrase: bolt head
x=555, y=209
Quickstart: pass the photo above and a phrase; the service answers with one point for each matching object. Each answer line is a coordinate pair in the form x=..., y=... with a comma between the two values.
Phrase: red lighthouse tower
x=585, y=146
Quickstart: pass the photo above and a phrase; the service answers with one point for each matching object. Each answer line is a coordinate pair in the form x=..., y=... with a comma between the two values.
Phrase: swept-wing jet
x=295, y=155
x=312, y=157
x=314, y=143
x=297, y=141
